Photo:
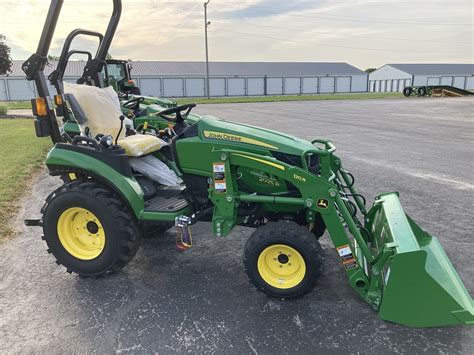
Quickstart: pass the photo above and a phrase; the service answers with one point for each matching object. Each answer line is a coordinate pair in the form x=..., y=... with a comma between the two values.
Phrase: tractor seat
x=98, y=110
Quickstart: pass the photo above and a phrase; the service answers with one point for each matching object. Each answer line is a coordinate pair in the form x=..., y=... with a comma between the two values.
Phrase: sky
x=365, y=33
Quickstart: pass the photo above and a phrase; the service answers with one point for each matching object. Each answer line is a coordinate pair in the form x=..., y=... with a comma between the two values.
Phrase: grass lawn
x=22, y=155
x=13, y=105
x=227, y=100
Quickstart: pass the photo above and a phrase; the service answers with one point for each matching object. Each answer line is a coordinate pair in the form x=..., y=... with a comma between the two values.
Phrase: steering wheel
x=134, y=104
x=176, y=110
x=123, y=95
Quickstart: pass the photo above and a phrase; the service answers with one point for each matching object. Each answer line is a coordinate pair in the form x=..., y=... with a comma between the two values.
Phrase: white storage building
x=395, y=77
x=188, y=79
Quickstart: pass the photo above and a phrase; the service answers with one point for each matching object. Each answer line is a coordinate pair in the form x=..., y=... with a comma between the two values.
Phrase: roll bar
x=46, y=124
x=56, y=77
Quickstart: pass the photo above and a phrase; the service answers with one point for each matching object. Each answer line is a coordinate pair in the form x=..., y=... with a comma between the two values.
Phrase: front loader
x=287, y=189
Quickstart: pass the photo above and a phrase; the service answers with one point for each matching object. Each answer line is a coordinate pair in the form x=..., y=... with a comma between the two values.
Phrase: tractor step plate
x=165, y=204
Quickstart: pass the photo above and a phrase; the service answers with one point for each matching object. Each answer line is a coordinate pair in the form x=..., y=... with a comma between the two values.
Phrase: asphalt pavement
x=201, y=302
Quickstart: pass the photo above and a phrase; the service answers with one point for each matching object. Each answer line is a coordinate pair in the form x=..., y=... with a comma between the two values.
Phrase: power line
x=334, y=33
x=313, y=43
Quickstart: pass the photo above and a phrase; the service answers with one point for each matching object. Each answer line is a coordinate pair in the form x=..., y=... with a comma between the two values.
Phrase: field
x=22, y=154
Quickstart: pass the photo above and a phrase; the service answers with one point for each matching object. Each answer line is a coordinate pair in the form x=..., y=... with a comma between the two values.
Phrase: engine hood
x=212, y=128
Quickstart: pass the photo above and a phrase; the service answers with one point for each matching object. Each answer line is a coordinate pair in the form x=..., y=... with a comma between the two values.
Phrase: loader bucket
x=421, y=286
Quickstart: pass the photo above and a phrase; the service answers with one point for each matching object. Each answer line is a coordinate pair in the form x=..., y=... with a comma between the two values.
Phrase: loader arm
x=395, y=266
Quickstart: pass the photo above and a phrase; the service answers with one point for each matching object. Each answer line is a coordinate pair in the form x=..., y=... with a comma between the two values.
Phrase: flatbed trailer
x=436, y=90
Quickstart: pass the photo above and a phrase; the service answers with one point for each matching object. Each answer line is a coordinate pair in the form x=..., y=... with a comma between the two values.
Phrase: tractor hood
x=213, y=128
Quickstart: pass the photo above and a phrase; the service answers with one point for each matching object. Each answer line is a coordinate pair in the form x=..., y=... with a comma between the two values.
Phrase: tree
x=370, y=70
x=5, y=59
x=109, y=56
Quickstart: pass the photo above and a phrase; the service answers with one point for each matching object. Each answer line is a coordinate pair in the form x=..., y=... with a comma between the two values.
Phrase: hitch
x=184, y=240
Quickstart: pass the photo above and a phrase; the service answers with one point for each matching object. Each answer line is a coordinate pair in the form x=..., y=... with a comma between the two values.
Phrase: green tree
x=5, y=59
x=370, y=70
x=109, y=56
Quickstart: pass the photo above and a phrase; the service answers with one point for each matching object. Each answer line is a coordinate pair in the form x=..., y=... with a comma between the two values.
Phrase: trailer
x=435, y=90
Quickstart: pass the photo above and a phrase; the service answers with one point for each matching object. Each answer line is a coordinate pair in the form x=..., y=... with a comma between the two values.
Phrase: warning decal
x=348, y=260
x=220, y=184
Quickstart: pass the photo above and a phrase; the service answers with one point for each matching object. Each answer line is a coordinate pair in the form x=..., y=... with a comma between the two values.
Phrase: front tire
x=283, y=259
x=88, y=229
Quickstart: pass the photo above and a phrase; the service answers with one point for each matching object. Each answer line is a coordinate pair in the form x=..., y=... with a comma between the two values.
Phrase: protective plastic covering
x=100, y=106
x=156, y=170
x=101, y=109
x=141, y=144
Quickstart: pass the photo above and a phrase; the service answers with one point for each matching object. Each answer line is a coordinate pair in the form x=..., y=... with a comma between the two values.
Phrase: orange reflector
x=58, y=100
x=131, y=82
x=39, y=106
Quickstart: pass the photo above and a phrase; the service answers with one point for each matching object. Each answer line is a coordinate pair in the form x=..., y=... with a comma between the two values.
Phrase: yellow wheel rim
x=81, y=233
x=281, y=266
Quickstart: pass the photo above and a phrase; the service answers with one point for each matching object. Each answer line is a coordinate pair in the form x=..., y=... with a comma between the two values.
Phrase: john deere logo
x=234, y=138
x=322, y=203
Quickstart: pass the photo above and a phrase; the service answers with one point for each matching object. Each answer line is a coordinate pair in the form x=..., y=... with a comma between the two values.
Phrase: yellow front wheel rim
x=81, y=233
x=281, y=266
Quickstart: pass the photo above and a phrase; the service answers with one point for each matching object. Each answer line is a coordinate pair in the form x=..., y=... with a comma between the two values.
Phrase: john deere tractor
x=102, y=72
x=287, y=189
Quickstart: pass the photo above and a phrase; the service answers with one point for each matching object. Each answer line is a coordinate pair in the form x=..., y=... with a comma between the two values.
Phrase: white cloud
x=362, y=32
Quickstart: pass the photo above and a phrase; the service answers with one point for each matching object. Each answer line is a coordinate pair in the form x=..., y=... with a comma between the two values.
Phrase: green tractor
x=102, y=72
x=288, y=189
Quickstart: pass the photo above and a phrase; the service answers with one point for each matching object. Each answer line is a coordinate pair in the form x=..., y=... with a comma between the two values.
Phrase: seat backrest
x=95, y=108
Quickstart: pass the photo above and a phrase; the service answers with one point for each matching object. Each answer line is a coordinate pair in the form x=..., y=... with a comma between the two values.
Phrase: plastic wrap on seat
x=141, y=144
x=100, y=106
x=156, y=170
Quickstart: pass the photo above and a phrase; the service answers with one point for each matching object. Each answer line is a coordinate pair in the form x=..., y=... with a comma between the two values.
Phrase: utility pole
x=206, y=25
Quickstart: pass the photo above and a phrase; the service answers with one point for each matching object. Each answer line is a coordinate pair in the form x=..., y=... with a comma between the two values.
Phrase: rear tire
x=88, y=229
x=283, y=259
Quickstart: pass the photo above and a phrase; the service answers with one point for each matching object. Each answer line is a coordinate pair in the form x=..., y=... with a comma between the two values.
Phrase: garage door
x=310, y=86
x=151, y=87
x=173, y=88
x=401, y=85
x=327, y=84
x=383, y=85
x=195, y=87
x=447, y=80
x=377, y=85
x=433, y=81
x=236, y=86
x=274, y=86
x=217, y=86
x=394, y=85
x=371, y=86
x=343, y=84
x=256, y=86
x=292, y=86
x=21, y=89
x=3, y=91
x=459, y=81
x=470, y=83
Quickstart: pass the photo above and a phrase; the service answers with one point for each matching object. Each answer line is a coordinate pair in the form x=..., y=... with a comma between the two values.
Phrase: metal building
x=187, y=79
x=395, y=77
